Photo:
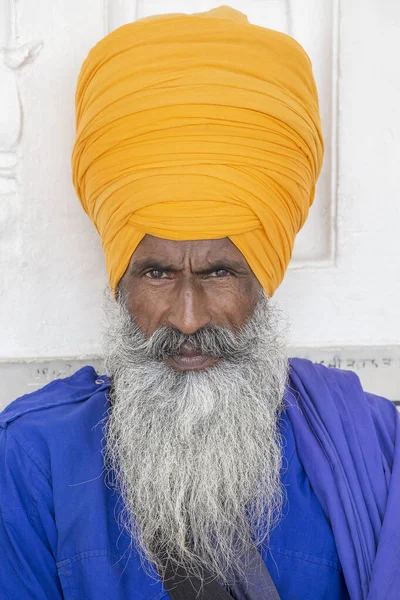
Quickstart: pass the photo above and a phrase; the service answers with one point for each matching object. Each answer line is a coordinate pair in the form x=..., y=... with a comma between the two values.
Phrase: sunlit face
x=189, y=285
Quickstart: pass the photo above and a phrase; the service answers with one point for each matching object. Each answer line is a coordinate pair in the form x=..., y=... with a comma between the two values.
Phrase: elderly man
x=204, y=464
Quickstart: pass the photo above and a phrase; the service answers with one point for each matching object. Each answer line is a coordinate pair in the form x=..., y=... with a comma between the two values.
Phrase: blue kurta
x=58, y=533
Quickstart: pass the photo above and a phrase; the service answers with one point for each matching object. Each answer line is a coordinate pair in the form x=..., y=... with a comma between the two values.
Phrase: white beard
x=196, y=455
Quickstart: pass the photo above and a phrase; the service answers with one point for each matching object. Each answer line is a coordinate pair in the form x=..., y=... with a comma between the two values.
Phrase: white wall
x=342, y=290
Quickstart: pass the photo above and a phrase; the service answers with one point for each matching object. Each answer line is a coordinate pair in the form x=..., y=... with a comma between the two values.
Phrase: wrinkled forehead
x=193, y=252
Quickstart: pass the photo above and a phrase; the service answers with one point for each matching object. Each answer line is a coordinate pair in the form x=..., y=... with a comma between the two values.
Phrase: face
x=195, y=453
x=189, y=285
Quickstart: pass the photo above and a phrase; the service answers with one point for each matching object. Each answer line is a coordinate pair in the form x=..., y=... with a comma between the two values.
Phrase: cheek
x=146, y=307
x=232, y=306
x=246, y=301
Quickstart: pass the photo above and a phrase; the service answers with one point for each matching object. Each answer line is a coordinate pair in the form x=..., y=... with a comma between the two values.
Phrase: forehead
x=197, y=251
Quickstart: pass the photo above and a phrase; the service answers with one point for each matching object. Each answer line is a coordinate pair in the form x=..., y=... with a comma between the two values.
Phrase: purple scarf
x=349, y=444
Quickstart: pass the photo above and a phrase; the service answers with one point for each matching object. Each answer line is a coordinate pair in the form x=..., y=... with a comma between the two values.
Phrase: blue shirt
x=58, y=533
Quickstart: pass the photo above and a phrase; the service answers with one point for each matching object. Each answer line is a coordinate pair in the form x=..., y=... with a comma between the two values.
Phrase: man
x=203, y=464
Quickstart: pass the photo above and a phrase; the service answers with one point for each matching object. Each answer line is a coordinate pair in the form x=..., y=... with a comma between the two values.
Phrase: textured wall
x=342, y=289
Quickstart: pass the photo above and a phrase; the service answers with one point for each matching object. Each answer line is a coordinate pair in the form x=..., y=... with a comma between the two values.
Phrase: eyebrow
x=158, y=264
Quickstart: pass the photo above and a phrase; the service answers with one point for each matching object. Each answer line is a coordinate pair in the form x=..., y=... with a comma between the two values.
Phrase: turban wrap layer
x=194, y=127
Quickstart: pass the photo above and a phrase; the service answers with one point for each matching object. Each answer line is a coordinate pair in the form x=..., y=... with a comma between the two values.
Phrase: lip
x=194, y=362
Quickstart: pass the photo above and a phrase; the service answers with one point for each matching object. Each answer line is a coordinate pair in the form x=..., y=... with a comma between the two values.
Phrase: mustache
x=213, y=340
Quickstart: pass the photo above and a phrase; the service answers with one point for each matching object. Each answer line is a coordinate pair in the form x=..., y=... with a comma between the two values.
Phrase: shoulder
x=309, y=373
x=327, y=391
x=314, y=378
x=59, y=416
x=79, y=387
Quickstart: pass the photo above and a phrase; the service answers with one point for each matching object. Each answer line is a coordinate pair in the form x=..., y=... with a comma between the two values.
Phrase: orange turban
x=198, y=126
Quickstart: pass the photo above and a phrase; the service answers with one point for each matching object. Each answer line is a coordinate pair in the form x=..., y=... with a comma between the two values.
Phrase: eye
x=150, y=273
x=221, y=273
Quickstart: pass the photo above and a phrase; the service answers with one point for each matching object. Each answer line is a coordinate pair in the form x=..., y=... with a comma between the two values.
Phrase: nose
x=189, y=311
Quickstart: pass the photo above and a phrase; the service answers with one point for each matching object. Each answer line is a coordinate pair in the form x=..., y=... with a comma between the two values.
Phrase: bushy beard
x=196, y=455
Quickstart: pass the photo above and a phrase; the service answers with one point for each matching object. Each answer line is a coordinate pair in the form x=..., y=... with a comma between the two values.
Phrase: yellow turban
x=198, y=126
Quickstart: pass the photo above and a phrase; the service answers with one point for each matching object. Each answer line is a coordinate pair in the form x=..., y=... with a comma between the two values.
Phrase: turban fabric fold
x=198, y=126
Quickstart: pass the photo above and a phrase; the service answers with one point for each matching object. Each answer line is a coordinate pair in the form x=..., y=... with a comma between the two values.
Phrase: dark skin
x=189, y=285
